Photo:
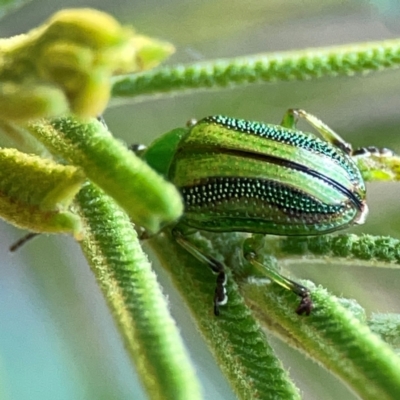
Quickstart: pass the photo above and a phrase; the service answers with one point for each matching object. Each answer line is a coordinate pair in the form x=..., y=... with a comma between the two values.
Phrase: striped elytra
x=239, y=175
x=244, y=176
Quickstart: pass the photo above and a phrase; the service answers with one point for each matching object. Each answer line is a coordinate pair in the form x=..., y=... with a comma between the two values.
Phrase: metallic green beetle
x=244, y=176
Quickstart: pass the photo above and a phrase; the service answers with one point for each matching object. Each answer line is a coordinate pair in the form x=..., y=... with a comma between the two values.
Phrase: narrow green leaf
x=35, y=193
x=376, y=251
x=235, y=338
x=149, y=200
x=335, y=334
x=332, y=336
x=265, y=67
x=135, y=298
x=387, y=326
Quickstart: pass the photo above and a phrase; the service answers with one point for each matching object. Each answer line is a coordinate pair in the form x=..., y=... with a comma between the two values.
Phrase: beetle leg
x=251, y=247
x=292, y=115
x=220, y=297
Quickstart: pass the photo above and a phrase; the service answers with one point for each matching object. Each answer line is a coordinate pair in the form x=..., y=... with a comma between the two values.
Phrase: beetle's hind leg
x=220, y=297
x=251, y=247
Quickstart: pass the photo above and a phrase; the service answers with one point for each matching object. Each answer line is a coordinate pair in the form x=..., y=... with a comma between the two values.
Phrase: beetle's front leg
x=251, y=249
x=220, y=297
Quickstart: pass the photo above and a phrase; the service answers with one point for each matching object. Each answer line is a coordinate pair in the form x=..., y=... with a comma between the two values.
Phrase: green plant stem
x=333, y=337
x=150, y=201
x=234, y=337
x=387, y=326
x=134, y=296
x=374, y=251
x=266, y=67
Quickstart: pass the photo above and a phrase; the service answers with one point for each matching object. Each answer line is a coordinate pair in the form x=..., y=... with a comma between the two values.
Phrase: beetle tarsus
x=217, y=267
x=220, y=297
x=306, y=305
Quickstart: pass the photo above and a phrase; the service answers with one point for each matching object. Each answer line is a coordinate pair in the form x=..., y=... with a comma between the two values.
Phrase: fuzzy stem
x=332, y=336
x=134, y=296
x=265, y=67
x=235, y=337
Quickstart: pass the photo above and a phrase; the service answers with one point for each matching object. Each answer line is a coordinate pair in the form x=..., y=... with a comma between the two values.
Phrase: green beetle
x=242, y=176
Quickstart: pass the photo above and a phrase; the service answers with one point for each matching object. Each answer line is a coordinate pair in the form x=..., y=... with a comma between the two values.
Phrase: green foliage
x=336, y=335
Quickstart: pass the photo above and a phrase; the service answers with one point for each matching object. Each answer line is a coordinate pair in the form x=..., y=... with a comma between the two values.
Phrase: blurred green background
x=57, y=339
